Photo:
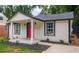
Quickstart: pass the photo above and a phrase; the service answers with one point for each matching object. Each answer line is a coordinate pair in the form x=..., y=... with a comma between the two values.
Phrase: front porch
x=24, y=41
x=22, y=29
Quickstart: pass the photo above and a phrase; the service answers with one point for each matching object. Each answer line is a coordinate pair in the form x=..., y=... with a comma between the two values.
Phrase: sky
x=36, y=11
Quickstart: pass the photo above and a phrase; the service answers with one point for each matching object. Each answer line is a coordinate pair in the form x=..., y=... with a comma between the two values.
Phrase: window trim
x=6, y=28
x=19, y=29
x=45, y=34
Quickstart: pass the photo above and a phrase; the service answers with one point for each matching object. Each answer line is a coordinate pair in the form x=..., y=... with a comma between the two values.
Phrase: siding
x=23, y=30
x=61, y=31
x=3, y=22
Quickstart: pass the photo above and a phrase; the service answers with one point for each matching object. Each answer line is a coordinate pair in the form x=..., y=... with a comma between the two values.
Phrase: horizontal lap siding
x=61, y=32
x=23, y=30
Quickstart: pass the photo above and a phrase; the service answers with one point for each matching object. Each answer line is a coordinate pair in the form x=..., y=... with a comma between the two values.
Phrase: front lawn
x=15, y=49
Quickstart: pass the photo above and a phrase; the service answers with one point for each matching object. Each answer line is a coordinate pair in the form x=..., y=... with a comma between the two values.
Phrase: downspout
x=69, y=31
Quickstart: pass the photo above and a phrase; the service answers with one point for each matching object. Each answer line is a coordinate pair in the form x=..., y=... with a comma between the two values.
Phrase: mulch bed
x=55, y=42
x=34, y=46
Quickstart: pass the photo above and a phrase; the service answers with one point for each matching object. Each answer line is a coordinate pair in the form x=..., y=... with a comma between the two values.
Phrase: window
x=49, y=28
x=1, y=18
x=6, y=28
x=17, y=29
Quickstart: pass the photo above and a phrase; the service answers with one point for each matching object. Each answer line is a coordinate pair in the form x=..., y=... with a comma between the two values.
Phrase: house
x=31, y=30
x=3, y=21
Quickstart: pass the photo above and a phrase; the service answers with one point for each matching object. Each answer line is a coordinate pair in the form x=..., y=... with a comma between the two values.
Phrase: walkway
x=60, y=48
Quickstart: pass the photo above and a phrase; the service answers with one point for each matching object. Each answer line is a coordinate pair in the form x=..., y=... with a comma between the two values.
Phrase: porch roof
x=20, y=17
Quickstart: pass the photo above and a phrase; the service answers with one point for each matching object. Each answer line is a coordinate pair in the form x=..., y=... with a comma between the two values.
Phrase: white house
x=3, y=21
x=31, y=30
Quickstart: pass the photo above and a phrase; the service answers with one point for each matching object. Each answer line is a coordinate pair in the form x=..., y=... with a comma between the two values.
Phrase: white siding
x=22, y=31
x=61, y=31
x=4, y=21
x=19, y=17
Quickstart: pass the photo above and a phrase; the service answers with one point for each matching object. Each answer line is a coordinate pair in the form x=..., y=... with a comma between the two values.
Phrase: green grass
x=14, y=49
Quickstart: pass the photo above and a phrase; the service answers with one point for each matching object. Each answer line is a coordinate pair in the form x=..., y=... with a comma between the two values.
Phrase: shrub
x=17, y=42
x=4, y=39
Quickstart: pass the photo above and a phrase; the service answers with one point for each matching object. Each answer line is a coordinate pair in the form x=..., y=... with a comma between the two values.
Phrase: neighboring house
x=31, y=30
x=3, y=21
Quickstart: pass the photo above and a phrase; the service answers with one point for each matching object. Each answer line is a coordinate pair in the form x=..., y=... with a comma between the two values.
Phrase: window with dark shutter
x=49, y=28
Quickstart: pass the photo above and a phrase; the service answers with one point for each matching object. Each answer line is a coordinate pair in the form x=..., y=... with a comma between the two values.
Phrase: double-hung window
x=49, y=28
x=17, y=29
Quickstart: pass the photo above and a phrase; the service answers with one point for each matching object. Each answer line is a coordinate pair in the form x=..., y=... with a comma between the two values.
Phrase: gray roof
x=62, y=16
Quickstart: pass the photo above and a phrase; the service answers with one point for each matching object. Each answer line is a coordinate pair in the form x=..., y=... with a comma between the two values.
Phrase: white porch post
x=11, y=30
x=32, y=30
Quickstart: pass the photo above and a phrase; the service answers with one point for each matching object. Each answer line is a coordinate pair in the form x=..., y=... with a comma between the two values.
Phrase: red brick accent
x=3, y=32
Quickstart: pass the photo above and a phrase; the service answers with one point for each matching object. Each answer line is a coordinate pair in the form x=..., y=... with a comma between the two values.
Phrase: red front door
x=29, y=30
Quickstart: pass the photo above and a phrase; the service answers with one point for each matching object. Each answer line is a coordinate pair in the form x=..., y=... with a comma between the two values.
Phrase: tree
x=10, y=10
x=1, y=8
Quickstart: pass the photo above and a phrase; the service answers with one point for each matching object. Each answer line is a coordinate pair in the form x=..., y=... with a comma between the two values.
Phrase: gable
x=19, y=16
x=3, y=19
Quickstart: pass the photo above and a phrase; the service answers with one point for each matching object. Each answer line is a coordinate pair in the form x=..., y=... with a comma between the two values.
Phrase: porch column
x=11, y=31
x=32, y=30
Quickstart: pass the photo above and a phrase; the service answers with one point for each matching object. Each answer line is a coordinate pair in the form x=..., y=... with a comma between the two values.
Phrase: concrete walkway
x=60, y=48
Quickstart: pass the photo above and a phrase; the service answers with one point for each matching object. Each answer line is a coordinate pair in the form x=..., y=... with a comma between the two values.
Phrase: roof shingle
x=64, y=16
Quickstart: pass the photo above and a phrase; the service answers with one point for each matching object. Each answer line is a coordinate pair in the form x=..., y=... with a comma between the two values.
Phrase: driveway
x=60, y=48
